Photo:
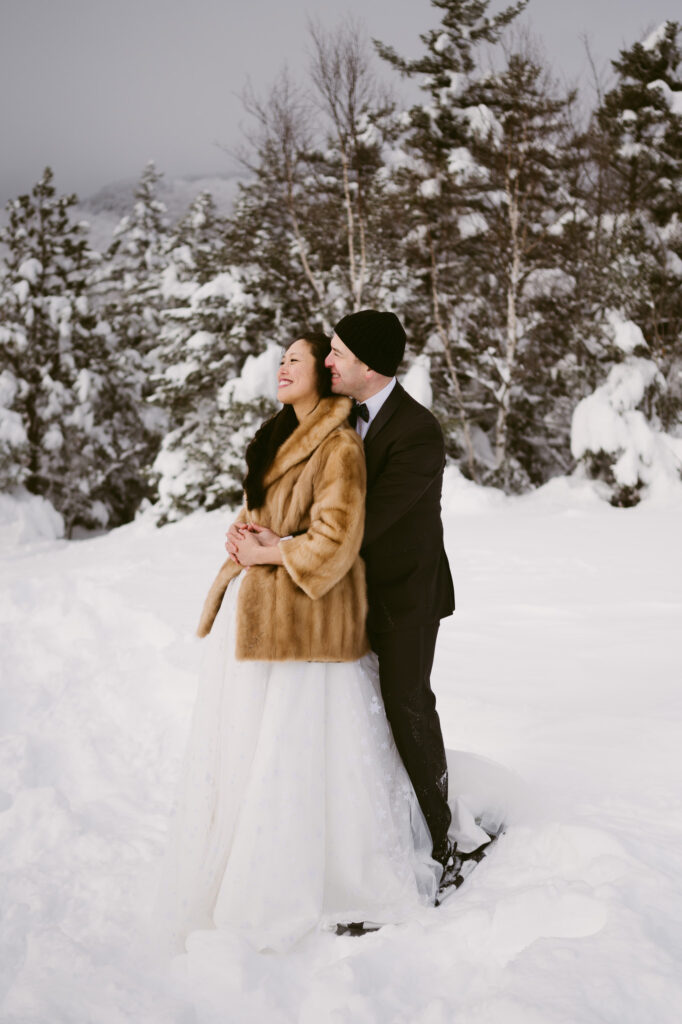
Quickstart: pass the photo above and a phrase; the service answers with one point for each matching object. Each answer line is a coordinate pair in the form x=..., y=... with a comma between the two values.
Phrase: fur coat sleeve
x=317, y=559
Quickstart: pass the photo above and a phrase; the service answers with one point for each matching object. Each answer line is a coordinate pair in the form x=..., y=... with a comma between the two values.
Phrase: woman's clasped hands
x=250, y=544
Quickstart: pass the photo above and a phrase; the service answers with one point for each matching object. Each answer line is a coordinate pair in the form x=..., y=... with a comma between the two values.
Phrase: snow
x=30, y=270
x=472, y=224
x=672, y=98
x=22, y=290
x=417, y=380
x=452, y=91
x=179, y=372
x=673, y=263
x=223, y=286
x=483, y=122
x=200, y=339
x=630, y=150
x=627, y=336
x=12, y=429
x=26, y=519
x=430, y=188
x=549, y=281
x=53, y=439
x=258, y=378
x=656, y=37
x=558, y=688
x=171, y=285
x=442, y=42
x=461, y=163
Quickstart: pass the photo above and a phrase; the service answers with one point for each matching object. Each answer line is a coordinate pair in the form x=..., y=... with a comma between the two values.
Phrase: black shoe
x=356, y=928
x=444, y=852
x=460, y=867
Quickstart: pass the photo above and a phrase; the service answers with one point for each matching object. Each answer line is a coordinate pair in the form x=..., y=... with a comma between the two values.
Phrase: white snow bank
x=26, y=518
x=462, y=496
x=560, y=663
x=609, y=421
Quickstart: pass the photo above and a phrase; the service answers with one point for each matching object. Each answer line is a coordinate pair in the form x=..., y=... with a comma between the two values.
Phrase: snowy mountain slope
x=104, y=209
x=560, y=665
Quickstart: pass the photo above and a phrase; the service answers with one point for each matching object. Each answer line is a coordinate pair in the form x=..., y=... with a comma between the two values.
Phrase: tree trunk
x=504, y=393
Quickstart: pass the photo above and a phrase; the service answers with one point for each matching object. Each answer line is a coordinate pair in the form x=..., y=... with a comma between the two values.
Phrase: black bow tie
x=358, y=411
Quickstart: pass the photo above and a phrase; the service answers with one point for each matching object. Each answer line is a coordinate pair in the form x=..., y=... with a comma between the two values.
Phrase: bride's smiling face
x=297, y=377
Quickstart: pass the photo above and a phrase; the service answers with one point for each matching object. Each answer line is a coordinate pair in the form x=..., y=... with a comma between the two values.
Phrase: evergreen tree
x=487, y=187
x=522, y=143
x=207, y=344
x=130, y=289
x=199, y=245
x=73, y=425
x=206, y=337
x=640, y=123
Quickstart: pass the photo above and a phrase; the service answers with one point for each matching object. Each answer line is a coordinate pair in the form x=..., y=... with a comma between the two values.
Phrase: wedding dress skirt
x=294, y=810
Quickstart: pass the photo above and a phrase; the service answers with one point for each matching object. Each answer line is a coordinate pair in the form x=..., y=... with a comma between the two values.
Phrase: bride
x=294, y=811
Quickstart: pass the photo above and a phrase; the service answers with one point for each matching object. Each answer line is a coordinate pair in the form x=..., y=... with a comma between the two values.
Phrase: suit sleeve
x=415, y=460
x=317, y=559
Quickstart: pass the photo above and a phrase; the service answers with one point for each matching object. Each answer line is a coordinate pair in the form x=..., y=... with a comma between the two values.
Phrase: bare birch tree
x=348, y=92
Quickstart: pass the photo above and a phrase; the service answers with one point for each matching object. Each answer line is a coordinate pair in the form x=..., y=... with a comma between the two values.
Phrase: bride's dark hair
x=273, y=433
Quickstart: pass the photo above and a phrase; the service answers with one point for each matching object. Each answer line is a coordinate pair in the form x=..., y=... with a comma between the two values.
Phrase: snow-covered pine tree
x=212, y=413
x=617, y=434
x=130, y=286
x=522, y=142
x=200, y=241
x=640, y=125
x=486, y=182
x=209, y=329
x=73, y=426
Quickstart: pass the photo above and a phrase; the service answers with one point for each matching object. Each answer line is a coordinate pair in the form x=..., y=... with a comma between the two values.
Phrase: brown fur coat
x=312, y=608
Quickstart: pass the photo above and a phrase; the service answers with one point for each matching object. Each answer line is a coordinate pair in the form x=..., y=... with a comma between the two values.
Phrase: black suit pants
x=405, y=661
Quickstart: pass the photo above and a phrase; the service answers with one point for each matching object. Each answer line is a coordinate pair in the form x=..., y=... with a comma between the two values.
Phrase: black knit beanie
x=377, y=339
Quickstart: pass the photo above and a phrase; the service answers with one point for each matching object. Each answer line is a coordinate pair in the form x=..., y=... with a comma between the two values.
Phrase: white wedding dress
x=294, y=810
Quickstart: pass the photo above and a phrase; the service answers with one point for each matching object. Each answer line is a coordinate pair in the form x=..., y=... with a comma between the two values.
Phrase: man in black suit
x=408, y=577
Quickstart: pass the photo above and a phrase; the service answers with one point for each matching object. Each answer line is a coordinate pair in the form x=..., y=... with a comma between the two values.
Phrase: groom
x=408, y=577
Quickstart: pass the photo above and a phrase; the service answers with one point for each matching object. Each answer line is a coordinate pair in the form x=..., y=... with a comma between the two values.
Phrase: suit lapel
x=385, y=413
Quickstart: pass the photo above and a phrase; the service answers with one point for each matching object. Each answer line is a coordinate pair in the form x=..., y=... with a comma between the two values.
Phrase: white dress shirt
x=373, y=405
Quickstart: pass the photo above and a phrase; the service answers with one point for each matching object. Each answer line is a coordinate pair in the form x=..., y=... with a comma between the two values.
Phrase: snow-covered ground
x=561, y=664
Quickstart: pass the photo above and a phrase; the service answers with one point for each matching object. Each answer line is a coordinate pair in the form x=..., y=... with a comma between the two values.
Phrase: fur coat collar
x=328, y=415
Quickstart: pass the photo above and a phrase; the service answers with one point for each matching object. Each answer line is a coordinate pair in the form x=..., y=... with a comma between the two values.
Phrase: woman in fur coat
x=294, y=810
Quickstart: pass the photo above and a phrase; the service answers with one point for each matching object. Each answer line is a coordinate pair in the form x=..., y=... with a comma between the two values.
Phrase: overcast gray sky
x=95, y=88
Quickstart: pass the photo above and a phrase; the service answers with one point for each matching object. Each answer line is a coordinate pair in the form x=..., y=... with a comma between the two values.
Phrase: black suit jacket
x=408, y=576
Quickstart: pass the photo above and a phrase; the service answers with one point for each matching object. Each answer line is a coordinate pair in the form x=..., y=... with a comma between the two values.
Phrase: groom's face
x=349, y=374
